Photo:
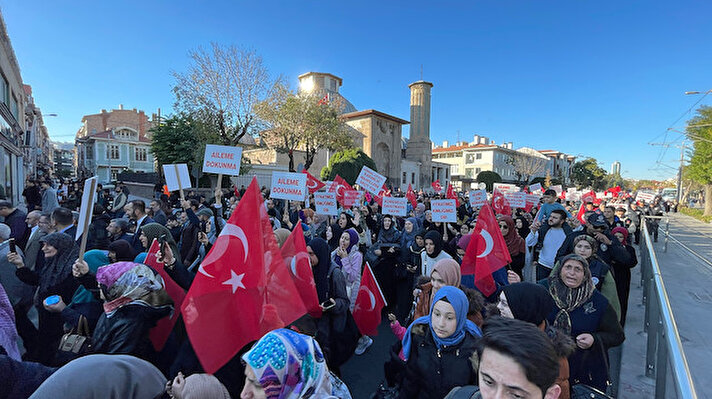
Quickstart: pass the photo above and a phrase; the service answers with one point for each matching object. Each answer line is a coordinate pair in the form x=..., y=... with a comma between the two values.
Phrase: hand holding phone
x=13, y=247
x=328, y=304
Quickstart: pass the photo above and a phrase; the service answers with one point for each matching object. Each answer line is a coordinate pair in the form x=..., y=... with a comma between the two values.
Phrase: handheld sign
x=535, y=187
x=557, y=188
x=394, y=206
x=289, y=186
x=504, y=188
x=86, y=212
x=351, y=197
x=222, y=159
x=516, y=199
x=643, y=196
x=443, y=210
x=370, y=180
x=177, y=177
x=478, y=197
x=325, y=203
x=532, y=199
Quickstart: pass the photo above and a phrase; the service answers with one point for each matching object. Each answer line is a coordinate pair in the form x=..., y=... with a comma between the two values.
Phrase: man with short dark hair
x=63, y=222
x=15, y=218
x=32, y=195
x=609, y=212
x=515, y=358
x=49, y=197
x=119, y=202
x=136, y=211
x=609, y=248
x=119, y=230
x=158, y=215
x=547, y=240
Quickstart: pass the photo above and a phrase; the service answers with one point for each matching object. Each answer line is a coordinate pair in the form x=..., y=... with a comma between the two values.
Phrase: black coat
x=608, y=253
x=98, y=237
x=432, y=373
x=126, y=331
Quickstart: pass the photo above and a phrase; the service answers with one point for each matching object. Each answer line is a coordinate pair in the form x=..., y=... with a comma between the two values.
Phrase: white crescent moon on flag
x=311, y=183
x=236, y=231
x=339, y=187
x=293, y=264
x=371, y=297
x=489, y=243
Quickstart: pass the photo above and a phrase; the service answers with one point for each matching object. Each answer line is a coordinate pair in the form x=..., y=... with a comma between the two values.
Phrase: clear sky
x=597, y=78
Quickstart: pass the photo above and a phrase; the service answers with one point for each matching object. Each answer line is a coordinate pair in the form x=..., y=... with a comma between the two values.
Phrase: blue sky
x=595, y=78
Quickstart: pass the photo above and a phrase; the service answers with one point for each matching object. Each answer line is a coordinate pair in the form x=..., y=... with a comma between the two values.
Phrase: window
x=478, y=170
x=412, y=177
x=470, y=158
x=447, y=173
x=404, y=178
x=141, y=154
x=332, y=84
x=470, y=173
x=4, y=89
x=13, y=107
x=112, y=151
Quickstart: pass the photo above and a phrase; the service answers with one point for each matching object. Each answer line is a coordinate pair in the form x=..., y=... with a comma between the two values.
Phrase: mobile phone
x=162, y=240
x=328, y=304
x=52, y=300
x=13, y=248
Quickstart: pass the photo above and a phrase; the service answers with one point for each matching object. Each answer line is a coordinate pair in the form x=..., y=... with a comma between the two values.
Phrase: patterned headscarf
x=567, y=299
x=8, y=332
x=289, y=365
x=591, y=241
x=127, y=283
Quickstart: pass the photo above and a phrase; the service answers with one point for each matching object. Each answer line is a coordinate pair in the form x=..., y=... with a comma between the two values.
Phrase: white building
x=616, y=168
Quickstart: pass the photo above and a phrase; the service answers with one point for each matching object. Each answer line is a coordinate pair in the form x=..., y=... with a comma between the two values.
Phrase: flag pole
x=180, y=185
x=87, y=221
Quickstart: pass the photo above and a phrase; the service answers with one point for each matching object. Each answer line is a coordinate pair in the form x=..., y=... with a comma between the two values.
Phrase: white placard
x=87, y=210
x=505, y=188
x=532, y=199
x=327, y=185
x=351, y=197
x=573, y=196
x=600, y=194
x=535, y=187
x=395, y=206
x=370, y=180
x=643, y=196
x=172, y=177
x=557, y=188
x=517, y=199
x=478, y=197
x=289, y=186
x=443, y=210
x=222, y=159
x=325, y=203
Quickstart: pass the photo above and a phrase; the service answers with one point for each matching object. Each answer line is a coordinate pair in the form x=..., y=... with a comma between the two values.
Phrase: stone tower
x=419, y=146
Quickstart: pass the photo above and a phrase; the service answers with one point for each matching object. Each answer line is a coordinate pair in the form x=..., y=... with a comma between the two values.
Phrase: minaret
x=419, y=146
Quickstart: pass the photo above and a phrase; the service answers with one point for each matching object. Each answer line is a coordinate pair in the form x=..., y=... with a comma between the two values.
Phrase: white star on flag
x=235, y=281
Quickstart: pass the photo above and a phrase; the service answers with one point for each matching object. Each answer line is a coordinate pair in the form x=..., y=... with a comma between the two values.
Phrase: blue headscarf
x=459, y=302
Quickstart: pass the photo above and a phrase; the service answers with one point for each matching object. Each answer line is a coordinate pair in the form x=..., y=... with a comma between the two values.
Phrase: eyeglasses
x=504, y=227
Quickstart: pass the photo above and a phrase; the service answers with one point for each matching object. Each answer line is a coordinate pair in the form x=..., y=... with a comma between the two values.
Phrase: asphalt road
x=364, y=373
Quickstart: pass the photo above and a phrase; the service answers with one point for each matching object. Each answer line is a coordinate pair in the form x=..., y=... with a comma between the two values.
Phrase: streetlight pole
x=679, y=173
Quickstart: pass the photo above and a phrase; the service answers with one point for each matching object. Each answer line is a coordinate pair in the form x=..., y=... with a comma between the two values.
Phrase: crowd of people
x=539, y=339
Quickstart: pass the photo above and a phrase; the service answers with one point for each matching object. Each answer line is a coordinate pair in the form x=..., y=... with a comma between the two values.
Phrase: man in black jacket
x=136, y=210
x=15, y=218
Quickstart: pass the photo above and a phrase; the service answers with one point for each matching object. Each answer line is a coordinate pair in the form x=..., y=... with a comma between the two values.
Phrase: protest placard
x=443, y=210
x=478, y=197
x=370, y=180
x=505, y=188
x=86, y=211
x=177, y=177
x=222, y=159
x=532, y=199
x=351, y=197
x=643, y=196
x=556, y=188
x=395, y=206
x=516, y=199
x=535, y=187
x=289, y=186
x=325, y=203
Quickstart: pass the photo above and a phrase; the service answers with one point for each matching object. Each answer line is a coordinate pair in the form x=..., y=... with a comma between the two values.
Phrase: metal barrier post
x=667, y=233
x=661, y=366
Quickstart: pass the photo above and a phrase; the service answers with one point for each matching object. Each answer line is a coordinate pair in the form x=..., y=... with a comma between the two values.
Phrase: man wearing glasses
x=609, y=248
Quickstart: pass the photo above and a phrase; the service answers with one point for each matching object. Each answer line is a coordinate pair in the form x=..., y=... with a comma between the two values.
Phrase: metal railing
x=665, y=357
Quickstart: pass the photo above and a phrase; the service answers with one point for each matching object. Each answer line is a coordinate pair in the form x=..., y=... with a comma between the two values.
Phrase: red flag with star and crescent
x=242, y=289
x=159, y=334
x=585, y=198
x=436, y=186
x=294, y=252
x=313, y=184
x=487, y=251
x=369, y=302
x=339, y=187
x=500, y=203
x=451, y=194
x=410, y=194
x=384, y=192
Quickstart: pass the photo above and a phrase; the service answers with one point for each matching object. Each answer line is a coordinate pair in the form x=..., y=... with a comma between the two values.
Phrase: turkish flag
x=486, y=253
x=313, y=184
x=588, y=197
x=369, y=302
x=411, y=196
x=294, y=252
x=451, y=194
x=581, y=212
x=242, y=290
x=436, y=186
x=500, y=204
x=159, y=334
x=340, y=186
x=382, y=193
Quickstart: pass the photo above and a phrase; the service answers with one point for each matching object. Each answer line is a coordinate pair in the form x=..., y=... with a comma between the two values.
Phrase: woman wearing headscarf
x=446, y=272
x=154, y=231
x=121, y=251
x=586, y=315
x=522, y=226
x=318, y=227
x=405, y=269
x=286, y=364
x=55, y=278
x=112, y=377
x=587, y=247
x=433, y=252
x=134, y=298
x=335, y=327
x=344, y=222
x=384, y=258
x=622, y=271
x=281, y=235
x=438, y=348
x=515, y=244
x=532, y=303
x=348, y=257
x=196, y=386
x=364, y=232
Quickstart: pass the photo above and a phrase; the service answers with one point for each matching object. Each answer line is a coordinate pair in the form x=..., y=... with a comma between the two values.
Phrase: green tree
x=347, y=164
x=301, y=122
x=615, y=179
x=700, y=169
x=489, y=178
x=543, y=181
x=587, y=173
